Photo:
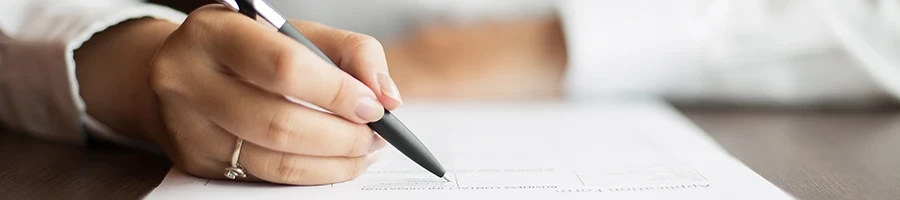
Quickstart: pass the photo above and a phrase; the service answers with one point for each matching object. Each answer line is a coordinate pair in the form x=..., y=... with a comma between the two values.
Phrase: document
x=637, y=150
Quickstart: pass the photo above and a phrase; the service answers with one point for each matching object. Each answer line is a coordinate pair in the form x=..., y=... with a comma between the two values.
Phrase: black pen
x=389, y=127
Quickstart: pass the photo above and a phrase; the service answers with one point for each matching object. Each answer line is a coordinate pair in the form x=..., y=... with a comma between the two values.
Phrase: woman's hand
x=221, y=76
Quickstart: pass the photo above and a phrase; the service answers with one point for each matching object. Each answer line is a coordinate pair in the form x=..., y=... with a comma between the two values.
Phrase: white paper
x=530, y=151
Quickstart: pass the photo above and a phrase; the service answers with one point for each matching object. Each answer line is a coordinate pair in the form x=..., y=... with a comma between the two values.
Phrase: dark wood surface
x=813, y=155
x=810, y=154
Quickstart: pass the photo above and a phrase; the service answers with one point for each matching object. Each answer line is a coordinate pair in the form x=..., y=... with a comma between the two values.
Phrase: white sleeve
x=621, y=47
x=733, y=51
x=38, y=88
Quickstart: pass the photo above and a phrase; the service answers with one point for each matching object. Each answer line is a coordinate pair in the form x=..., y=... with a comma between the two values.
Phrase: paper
x=530, y=151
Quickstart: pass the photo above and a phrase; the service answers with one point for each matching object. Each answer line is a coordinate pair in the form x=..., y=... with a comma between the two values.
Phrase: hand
x=222, y=76
x=509, y=60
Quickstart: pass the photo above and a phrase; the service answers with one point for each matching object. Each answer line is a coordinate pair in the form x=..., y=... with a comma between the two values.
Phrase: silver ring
x=236, y=170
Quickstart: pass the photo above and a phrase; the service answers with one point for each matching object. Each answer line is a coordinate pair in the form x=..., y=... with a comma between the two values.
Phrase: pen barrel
x=389, y=127
x=398, y=135
x=295, y=34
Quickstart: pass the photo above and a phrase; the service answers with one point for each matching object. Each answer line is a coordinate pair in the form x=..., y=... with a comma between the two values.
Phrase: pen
x=389, y=127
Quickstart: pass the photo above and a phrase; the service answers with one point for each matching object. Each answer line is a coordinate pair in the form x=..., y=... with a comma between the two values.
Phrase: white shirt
x=770, y=52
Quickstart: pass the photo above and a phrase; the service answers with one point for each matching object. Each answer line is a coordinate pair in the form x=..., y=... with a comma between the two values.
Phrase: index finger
x=281, y=65
x=360, y=55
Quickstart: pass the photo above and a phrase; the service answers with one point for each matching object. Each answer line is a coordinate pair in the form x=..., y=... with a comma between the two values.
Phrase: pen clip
x=252, y=8
x=231, y=4
x=240, y=6
x=246, y=7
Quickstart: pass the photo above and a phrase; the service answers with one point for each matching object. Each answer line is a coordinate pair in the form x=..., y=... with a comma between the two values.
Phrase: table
x=810, y=154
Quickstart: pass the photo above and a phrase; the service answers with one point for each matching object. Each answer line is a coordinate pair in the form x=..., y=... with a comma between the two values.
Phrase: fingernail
x=388, y=87
x=377, y=144
x=368, y=109
x=372, y=158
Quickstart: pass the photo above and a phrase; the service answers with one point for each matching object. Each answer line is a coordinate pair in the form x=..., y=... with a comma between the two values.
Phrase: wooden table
x=810, y=154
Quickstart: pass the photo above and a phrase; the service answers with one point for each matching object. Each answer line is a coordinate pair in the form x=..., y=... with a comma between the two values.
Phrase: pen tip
x=447, y=179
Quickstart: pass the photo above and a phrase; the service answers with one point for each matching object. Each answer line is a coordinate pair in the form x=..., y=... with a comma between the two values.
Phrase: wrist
x=112, y=70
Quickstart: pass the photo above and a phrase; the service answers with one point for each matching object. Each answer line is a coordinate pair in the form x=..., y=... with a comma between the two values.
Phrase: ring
x=236, y=170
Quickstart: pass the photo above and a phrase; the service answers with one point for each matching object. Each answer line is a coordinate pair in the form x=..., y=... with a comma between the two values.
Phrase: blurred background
x=769, y=53
x=794, y=54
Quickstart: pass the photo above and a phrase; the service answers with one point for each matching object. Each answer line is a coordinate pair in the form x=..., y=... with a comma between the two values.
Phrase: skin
x=509, y=60
x=193, y=88
x=200, y=85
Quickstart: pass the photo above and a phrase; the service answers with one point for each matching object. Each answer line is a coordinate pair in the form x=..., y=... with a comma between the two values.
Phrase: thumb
x=360, y=55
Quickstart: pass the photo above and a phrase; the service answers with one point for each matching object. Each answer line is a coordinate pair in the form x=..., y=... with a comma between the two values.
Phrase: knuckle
x=281, y=129
x=342, y=93
x=361, y=43
x=195, y=20
x=356, y=167
x=361, y=140
x=163, y=81
x=284, y=65
x=289, y=169
x=202, y=19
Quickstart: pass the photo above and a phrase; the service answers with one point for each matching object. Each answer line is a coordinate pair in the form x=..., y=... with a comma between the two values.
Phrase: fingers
x=222, y=76
x=360, y=55
x=210, y=152
x=275, y=123
x=287, y=168
x=281, y=65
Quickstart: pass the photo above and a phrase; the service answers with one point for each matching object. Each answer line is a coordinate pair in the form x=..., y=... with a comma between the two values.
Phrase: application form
x=643, y=150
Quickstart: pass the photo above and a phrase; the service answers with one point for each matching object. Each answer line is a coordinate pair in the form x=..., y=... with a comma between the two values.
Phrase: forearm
x=38, y=89
x=540, y=45
x=523, y=59
x=112, y=72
